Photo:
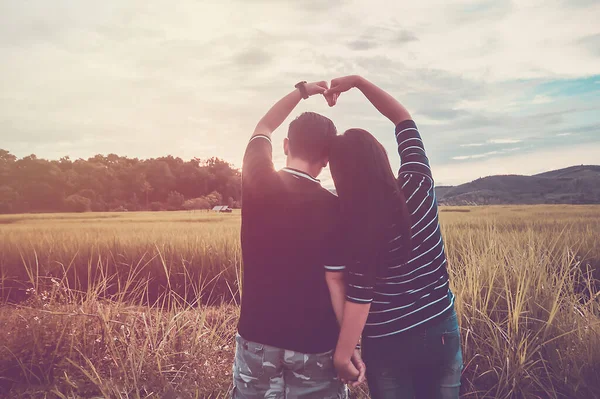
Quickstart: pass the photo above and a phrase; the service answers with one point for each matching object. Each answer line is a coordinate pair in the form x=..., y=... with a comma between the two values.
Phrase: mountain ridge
x=578, y=184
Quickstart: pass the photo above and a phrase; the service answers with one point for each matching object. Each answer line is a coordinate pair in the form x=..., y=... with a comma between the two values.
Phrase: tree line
x=115, y=183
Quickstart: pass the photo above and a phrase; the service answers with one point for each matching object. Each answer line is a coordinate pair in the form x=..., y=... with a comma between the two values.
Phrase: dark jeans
x=426, y=363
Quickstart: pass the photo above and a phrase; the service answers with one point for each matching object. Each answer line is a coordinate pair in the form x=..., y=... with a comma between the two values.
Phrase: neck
x=303, y=166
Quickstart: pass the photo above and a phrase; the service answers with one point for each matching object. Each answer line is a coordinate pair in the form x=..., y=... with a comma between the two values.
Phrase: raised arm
x=284, y=107
x=360, y=283
x=258, y=166
x=412, y=153
x=382, y=100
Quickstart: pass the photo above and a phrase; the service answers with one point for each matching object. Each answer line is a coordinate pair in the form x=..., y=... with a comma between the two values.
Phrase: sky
x=495, y=86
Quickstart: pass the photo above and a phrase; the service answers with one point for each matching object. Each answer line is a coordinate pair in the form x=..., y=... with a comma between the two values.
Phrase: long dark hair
x=369, y=196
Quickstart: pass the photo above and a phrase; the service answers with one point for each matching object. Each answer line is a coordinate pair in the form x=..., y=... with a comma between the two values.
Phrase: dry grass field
x=144, y=305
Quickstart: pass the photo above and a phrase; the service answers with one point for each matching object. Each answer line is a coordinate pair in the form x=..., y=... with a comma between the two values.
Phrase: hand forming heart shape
x=338, y=86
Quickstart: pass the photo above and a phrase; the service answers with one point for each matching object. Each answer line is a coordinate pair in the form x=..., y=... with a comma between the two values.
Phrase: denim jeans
x=425, y=363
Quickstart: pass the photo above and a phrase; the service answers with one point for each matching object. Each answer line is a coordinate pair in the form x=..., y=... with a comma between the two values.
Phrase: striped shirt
x=406, y=294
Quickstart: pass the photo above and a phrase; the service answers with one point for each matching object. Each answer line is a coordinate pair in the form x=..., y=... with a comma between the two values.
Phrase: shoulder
x=329, y=197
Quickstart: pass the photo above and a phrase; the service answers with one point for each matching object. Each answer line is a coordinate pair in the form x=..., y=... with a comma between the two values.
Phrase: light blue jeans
x=425, y=363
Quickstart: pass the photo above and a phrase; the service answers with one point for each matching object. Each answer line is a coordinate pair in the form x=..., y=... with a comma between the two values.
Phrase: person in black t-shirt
x=287, y=329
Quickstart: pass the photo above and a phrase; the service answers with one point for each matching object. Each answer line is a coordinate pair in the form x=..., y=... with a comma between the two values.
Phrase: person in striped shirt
x=394, y=289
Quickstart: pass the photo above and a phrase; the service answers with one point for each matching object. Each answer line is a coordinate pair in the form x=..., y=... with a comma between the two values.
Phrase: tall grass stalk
x=145, y=305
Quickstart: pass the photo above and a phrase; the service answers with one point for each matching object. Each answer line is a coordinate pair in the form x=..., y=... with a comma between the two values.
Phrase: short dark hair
x=310, y=136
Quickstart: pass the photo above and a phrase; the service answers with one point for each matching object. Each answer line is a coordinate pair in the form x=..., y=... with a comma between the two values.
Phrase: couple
x=324, y=274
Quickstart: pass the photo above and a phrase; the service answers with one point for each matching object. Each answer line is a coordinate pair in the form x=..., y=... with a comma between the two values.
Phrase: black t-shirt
x=288, y=222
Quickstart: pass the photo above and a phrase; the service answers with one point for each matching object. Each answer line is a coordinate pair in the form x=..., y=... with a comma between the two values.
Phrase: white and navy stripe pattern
x=407, y=294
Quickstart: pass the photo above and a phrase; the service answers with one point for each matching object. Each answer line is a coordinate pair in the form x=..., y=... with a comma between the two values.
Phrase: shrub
x=157, y=206
x=77, y=203
x=175, y=200
x=215, y=198
x=196, y=203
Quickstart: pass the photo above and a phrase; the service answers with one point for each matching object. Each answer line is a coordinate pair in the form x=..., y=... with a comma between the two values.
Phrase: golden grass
x=140, y=305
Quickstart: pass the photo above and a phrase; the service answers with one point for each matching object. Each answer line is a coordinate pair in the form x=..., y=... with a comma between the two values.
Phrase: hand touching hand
x=360, y=366
x=316, y=88
x=346, y=370
x=338, y=86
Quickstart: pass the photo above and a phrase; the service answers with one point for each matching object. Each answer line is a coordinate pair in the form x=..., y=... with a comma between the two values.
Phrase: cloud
x=486, y=154
x=475, y=156
x=381, y=37
x=504, y=141
x=362, y=44
x=149, y=79
x=592, y=43
x=526, y=163
x=564, y=134
x=541, y=99
x=404, y=37
x=253, y=58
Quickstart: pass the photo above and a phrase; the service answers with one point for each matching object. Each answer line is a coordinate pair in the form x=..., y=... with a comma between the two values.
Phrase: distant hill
x=572, y=185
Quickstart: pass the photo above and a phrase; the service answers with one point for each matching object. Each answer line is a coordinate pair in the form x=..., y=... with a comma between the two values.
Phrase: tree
x=196, y=204
x=214, y=199
x=7, y=161
x=175, y=200
x=146, y=189
x=157, y=206
x=114, y=182
x=77, y=203
x=87, y=193
x=9, y=199
x=161, y=178
x=6, y=157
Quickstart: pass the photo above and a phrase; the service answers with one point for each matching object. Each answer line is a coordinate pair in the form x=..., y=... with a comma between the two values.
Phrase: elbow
x=263, y=128
x=401, y=115
x=335, y=282
x=334, y=278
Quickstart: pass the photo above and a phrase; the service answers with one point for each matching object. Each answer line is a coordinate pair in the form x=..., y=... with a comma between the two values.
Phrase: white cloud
x=504, y=141
x=485, y=154
x=541, y=99
x=148, y=79
x=523, y=164
x=564, y=134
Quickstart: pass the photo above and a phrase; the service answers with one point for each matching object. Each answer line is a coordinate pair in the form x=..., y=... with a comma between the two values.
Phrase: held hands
x=360, y=366
x=351, y=371
x=313, y=88
x=331, y=94
x=338, y=86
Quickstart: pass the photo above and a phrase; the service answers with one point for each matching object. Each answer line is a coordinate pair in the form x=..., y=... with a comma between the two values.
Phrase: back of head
x=368, y=192
x=310, y=136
